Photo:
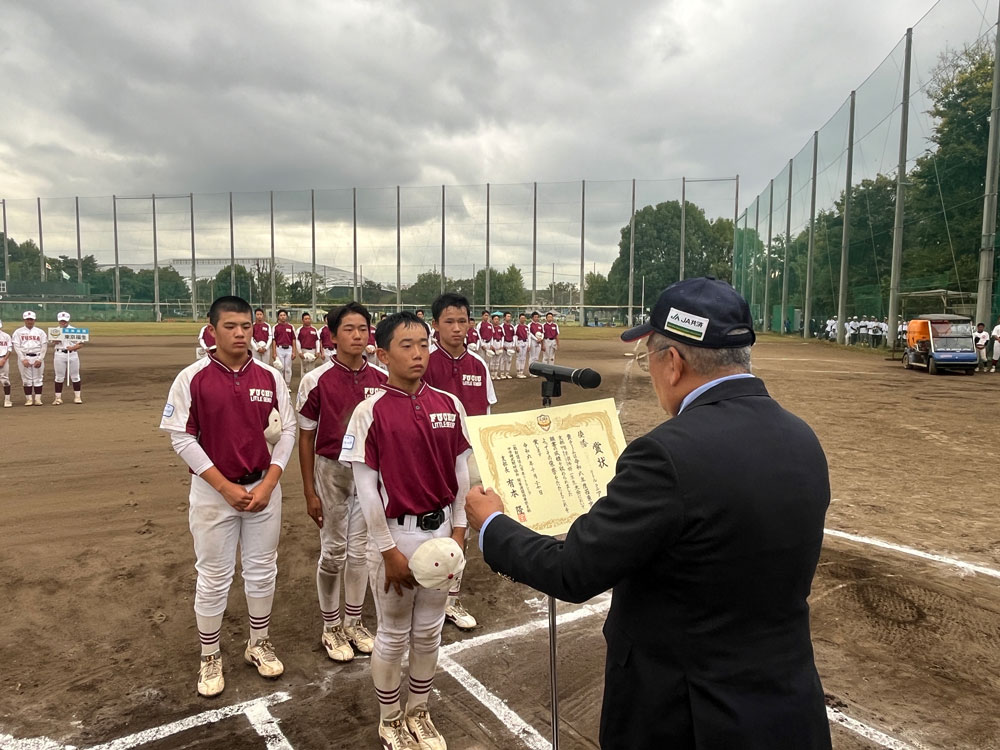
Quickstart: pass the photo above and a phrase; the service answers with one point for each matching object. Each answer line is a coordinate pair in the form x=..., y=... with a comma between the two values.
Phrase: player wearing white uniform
x=30, y=344
x=550, y=339
x=231, y=419
x=262, y=334
x=326, y=399
x=65, y=362
x=408, y=447
x=995, y=335
x=521, y=336
x=981, y=338
x=5, y=349
x=310, y=349
x=284, y=346
x=535, y=337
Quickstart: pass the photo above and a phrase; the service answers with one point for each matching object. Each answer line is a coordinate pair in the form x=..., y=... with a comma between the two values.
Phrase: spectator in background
x=981, y=339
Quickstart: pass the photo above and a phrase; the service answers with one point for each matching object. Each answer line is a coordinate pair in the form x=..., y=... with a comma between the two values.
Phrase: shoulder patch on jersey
x=347, y=443
x=168, y=411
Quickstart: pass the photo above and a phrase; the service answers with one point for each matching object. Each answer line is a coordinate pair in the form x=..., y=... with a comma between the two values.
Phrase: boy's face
x=521, y=319
x=452, y=325
x=306, y=320
x=506, y=318
x=549, y=318
x=232, y=332
x=282, y=317
x=408, y=352
x=259, y=316
x=352, y=334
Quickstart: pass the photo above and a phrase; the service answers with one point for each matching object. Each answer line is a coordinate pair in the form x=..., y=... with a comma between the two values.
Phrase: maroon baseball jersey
x=521, y=331
x=508, y=332
x=326, y=338
x=208, y=337
x=498, y=332
x=261, y=332
x=471, y=336
x=371, y=337
x=307, y=336
x=227, y=411
x=534, y=328
x=327, y=397
x=550, y=330
x=465, y=376
x=284, y=334
x=486, y=331
x=413, y=442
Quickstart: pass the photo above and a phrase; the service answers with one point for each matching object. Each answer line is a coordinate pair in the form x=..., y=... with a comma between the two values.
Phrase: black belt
x=26, y=354
x=428, y=521
x=65, y=351
x=250, y=478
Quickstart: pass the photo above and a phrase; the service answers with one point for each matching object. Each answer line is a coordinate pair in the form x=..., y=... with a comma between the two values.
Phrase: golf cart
x=940, y=342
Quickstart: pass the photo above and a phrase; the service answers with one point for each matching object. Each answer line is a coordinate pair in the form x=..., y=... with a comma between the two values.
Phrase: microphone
x=583, y=377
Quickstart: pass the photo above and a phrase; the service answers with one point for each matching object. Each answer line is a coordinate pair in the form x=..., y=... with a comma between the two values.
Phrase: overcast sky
x=126, y=97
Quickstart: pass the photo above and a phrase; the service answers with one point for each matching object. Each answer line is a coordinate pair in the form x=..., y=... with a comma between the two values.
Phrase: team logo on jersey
x=371, y=391
x=472, y=381
x=443, y=419
x=262, y=395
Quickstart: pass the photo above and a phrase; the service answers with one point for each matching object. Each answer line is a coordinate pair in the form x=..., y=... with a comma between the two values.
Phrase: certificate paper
x=549, y=465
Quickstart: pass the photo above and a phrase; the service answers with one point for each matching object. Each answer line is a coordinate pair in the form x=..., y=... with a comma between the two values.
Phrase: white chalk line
x=950, y=561
x=869, y=733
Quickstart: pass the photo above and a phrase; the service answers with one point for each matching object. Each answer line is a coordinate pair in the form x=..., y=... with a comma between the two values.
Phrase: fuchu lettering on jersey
x=261, y=394
x=443, y=419
x=474, y=381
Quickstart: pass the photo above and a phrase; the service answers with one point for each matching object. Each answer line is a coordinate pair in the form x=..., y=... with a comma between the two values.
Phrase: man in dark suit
x=709, y=537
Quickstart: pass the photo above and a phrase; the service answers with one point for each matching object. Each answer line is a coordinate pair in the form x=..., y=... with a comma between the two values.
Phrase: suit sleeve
x=640, y=516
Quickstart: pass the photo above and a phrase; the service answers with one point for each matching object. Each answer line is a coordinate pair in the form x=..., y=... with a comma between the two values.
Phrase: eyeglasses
x=643, y=357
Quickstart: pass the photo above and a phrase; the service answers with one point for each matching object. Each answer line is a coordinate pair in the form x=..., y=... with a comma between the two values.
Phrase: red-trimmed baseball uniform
x=284, y=341
x=326, y=341
x=206, y=342
x=327, y=399
x=308, y=338
x=550, y=331
x=534, y=345
x=262, y=341
x=465, y=376
x=521, y=347
x=472, y=339
x=485, y=329
x=284, y=335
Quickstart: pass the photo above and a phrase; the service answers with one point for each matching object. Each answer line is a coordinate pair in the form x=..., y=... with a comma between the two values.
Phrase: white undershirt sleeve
x=366, y=485
x=286, y=443
x=462, y=474
x=188, y=448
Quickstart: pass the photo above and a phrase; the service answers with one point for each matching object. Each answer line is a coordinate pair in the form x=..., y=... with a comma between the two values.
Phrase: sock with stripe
x=209, y=629
x=328, y=589
x=259, y=610
x=386, y=676
x=422, y=667
x=355, y=586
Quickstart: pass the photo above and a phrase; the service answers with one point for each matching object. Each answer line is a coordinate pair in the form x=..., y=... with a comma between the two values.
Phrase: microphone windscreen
x=589, y=378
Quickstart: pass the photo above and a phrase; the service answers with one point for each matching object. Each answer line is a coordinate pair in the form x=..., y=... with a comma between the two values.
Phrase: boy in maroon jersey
x=408, y=448
x=550, y=339
x=455, y=369
x=218, y=416
x=535, y=337
x=327, y=398
x=521, y=343
x=261, y=336
x=307, y=338
x=283, y=345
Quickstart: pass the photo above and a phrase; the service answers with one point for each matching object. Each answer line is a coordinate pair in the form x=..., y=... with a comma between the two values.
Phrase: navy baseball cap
x=702, y=312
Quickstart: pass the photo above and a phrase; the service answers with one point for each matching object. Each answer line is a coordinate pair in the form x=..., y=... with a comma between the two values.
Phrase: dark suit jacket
x=709, y=535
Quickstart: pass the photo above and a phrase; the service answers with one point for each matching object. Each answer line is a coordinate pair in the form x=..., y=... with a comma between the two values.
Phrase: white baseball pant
x=31, y=377
x=343, y=541
x=5, y=373
x=549, y=351
x=217, y=528
x=285, y=355
x=305, y=367
x=66, y=363
x=508, y=357
x=263, y=356
x=522, y=356
x=534, y=351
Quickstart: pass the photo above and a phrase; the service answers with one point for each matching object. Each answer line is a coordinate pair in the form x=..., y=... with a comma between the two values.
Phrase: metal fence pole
x=156, y=269
x=756, y=243
x=232, y=248
x=118, y=278
x=41, y=243
x=767, y=260
x=194, y=276
x=274, y=272
x=680, y=264
x=807, y=304
x=631, y=258
x=354, y=193
x=442, y=240
x=984, y=300
x=534, y=244
x=488, y=266
x=79, y=247
x=788, y=242
x=845, y=244
x=312, y=207
x=736, y=221
x=583, y=223
x=6, y=253
x=399, y=256
x=743, y=251
x=897, y=231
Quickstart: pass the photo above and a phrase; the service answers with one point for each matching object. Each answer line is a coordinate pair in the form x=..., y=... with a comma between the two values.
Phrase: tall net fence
x=794, y=259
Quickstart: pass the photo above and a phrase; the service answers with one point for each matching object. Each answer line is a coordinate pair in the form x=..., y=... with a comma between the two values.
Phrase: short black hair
x=259, y=310
x=228, y=304
x=334, y=317
x=534, y=313
x=522, y=315
x=485, y=312
x=385, y=330
x=303, y=316
x=283, y=310
x=449, y=299
x=418, y=311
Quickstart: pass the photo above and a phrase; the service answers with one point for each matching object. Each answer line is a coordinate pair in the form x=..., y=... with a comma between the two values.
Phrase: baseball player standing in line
x=508, y=347
x=283, y=346
x=30, y=344
x=328, y=346
x=535, y=338
x=261, y=336
x=497, y=344
x=219, y=417
x=327, y=397
x=472, y=338
x=308, y=340
x=550, y=339
x=521, y=344
x=408, y=447
x=5, y=349
x=460, y=372
x=485, y=331
x=65, y=362
x=994, y=334
x=206, y=342
x=981, y=339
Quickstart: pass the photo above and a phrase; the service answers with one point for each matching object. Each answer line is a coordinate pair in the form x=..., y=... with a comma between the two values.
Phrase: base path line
x=267, y=727
x=507, y=716
x=252, y=708
x=869, y=733
x=960, y=564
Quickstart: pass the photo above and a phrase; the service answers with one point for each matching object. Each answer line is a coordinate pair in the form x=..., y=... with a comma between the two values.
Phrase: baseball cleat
x=6, y=402
x=394, y=735
x=336, y=644
x=360, y=637
x=77, y=399
x=29, y=401
x=261, y=655
x=459, y=616
x=57, y=400
x=521, y=375
x=210, y=681
x=418, y=721
x=38, y=399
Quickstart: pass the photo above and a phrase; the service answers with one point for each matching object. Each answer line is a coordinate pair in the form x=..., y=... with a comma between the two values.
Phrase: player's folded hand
x=236, y=495
x=260, y=496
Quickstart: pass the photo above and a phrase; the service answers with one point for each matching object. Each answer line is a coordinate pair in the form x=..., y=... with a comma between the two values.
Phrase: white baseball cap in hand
x=273, y=430
x=437, y=562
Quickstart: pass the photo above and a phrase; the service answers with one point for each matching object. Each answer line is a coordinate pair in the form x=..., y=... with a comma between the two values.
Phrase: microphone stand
x=552, y=388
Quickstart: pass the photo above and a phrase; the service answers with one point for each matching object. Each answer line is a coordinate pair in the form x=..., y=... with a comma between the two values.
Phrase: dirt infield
x=97, y=569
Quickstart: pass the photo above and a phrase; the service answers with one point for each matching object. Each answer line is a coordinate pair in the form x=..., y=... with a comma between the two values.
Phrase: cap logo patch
x=685, y=324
